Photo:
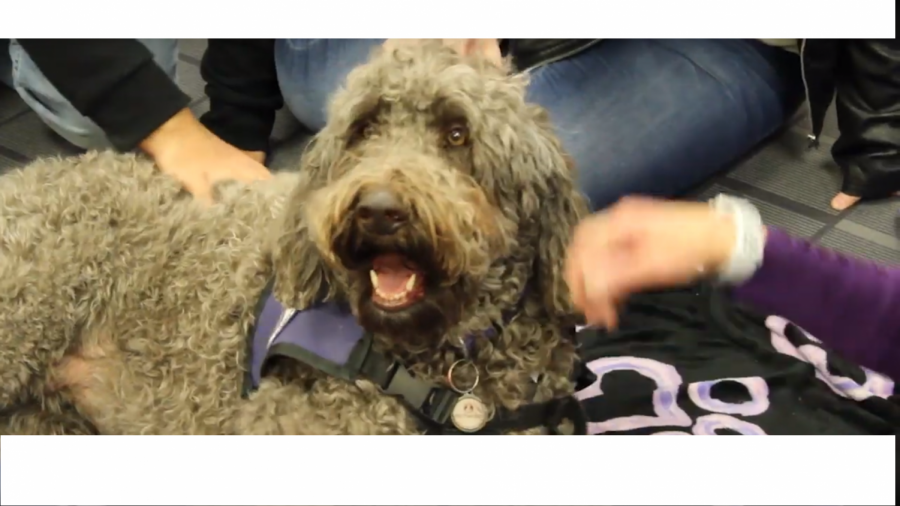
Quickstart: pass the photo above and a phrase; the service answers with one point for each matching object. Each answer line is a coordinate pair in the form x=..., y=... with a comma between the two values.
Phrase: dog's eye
x=457, y=136
x=368, y=131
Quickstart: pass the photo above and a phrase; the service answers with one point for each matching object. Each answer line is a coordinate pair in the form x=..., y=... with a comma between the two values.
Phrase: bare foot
x=842, y=201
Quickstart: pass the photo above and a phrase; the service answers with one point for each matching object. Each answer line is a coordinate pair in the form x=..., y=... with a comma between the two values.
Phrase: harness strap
x=551, y=415
x=349, y=355
x=433, y=404
x=348, y=371
x=430, y=402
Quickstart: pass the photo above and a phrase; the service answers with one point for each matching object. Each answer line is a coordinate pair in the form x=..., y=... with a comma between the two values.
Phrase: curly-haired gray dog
x=435, y=204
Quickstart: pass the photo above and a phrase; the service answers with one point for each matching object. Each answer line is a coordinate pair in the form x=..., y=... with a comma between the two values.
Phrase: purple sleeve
x=851, y=305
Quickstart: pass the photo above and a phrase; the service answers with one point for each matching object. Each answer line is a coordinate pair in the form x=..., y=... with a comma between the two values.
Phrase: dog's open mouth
x=397, y=282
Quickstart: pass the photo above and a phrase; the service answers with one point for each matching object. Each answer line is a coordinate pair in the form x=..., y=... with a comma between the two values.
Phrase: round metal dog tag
x=469, y=414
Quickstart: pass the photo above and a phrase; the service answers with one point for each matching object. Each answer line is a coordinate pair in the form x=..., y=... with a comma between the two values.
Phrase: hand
x=487, y=48
x=183, y=148
x=257, y=156
x=643, y=244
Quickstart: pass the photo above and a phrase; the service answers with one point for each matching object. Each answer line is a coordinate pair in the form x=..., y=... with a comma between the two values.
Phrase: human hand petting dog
x=184, y=148
x=487, y=48
x=643, y=244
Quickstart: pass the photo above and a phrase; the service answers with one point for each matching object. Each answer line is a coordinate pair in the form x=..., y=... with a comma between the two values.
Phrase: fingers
x=597, y=304
x=204, y=197
x=489, y=49
x=602, y=296
x=638, y=244
x=461, y=46
x=601, y=309
x=261, y=173
x=574, y=277
x=393, y=44
x=201, y=191
x=601, y=255
x=593, y=252
x=247, y=171
x=641, y=273
x=604, y=313
x=257, y=156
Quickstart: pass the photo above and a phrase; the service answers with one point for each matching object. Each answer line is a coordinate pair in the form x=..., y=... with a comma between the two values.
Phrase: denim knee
x=56, y=111
x=310, y=70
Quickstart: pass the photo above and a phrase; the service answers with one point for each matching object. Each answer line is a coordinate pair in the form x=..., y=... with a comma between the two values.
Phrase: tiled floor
x=791, y=186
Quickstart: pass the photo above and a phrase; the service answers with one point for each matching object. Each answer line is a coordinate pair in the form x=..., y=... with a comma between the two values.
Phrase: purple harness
x=326, y=331
x=327, y=337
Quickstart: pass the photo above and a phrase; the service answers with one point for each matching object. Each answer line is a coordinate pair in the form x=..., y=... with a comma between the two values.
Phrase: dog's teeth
x=392, y=299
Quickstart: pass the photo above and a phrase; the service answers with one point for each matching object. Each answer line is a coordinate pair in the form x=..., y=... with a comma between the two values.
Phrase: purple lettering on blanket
x=665, y=396
x=667, y=413
x=876, y=385
x=722, y=415
x=701, y=395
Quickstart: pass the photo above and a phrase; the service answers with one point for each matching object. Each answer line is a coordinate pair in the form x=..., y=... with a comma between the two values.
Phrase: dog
x=435, y=204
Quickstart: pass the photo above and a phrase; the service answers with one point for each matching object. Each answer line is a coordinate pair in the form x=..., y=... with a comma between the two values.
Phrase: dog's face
x=431, y=168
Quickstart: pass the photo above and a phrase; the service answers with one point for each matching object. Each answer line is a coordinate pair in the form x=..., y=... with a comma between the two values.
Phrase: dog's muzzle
x=379, y=212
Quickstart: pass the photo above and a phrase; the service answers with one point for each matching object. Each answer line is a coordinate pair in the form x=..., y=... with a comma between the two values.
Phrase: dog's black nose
x=379, y=211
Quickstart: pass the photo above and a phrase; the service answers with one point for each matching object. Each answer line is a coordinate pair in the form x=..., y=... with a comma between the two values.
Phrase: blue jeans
x=18, y=71
x=639, y=116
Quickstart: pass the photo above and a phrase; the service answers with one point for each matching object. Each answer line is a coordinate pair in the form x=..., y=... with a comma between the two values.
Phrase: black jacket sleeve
x=114, y=82
x=243, y=91
x=867, y=80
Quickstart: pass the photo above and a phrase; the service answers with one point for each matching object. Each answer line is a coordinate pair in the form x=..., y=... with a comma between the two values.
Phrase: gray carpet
x=791, y=186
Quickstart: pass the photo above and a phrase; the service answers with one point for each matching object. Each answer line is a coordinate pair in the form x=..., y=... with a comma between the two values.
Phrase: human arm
x=641, y=244
x=114, y=82
x=117, y=84
x=850, y=304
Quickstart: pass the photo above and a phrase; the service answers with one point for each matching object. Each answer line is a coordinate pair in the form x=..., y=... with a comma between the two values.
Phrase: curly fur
x=125, y=304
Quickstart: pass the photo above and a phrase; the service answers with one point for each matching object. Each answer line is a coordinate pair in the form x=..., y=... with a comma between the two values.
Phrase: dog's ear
x=302, y=276
x=558, y=208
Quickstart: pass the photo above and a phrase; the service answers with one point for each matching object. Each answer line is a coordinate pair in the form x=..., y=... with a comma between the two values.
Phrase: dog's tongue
x=392, y=273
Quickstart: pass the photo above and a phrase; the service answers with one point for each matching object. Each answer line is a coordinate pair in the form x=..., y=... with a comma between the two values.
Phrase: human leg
x=660, y=116
x=310, y=70
x=56, y=111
